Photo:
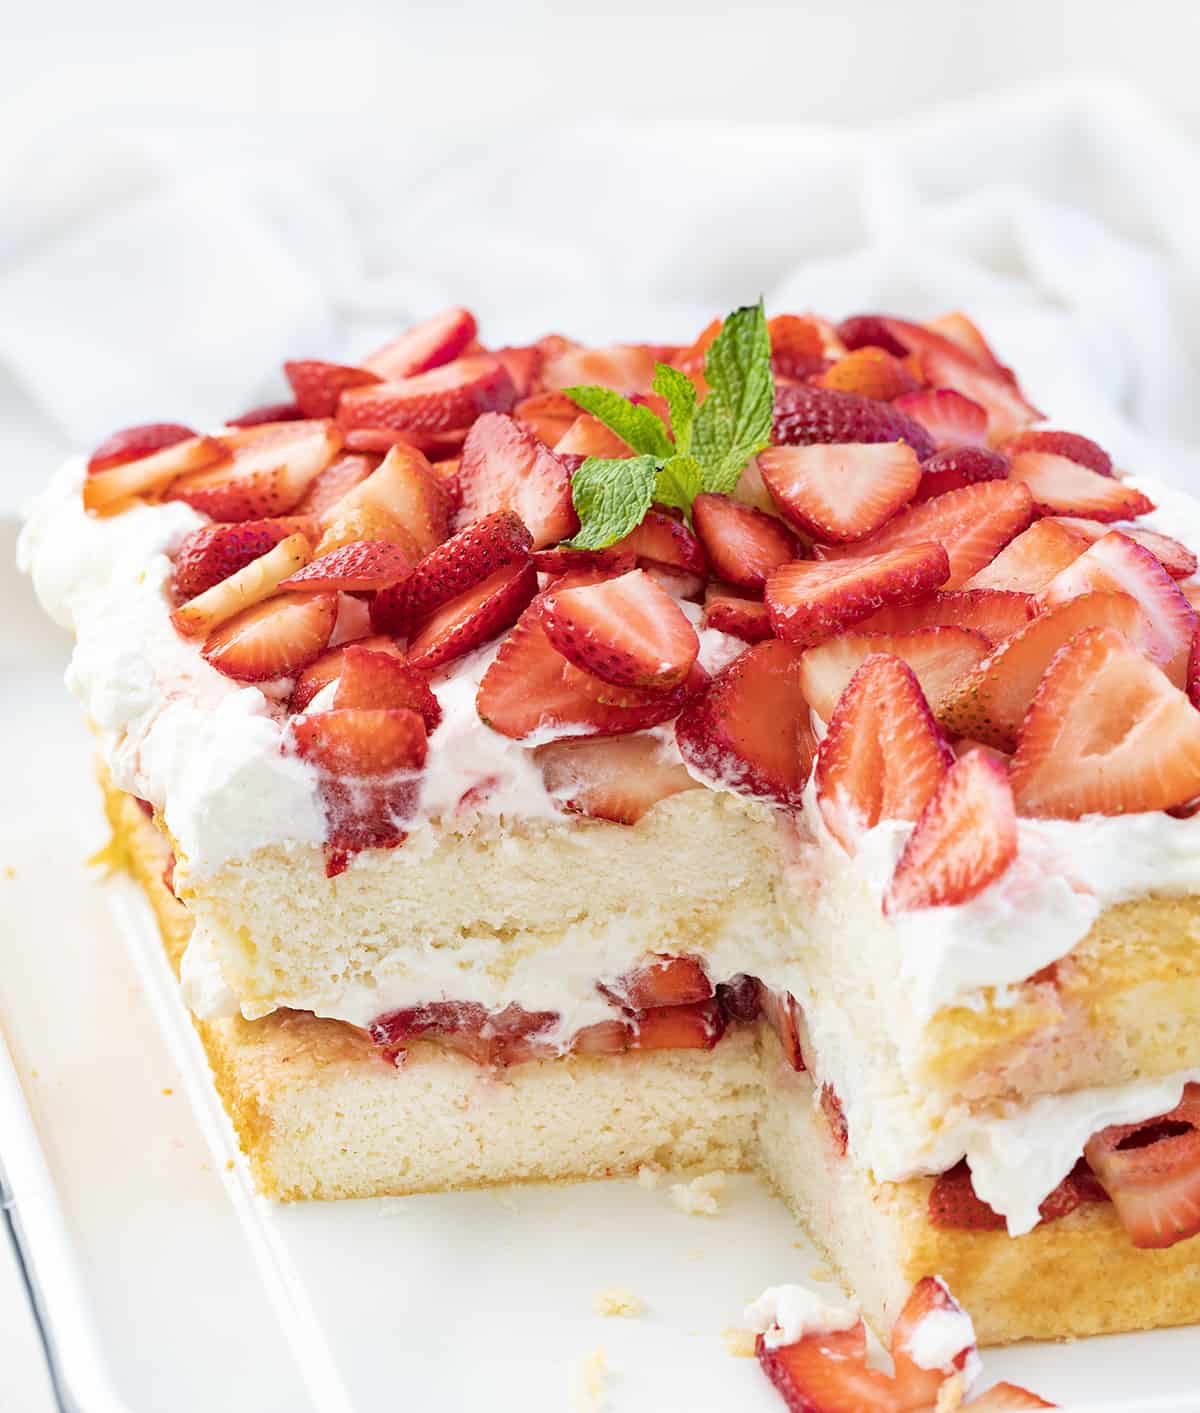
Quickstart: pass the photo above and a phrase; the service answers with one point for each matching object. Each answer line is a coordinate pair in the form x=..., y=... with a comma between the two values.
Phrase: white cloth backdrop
x=164, y=274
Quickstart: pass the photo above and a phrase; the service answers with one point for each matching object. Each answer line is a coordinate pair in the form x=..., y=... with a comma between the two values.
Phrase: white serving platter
x=167, y=1283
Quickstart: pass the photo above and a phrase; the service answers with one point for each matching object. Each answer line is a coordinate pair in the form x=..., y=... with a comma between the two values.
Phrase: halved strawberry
x=938, y=656
x=1175, y=558
x=276, y=638
x=270, y=468
x=1003, y=1397
x=842, y=492
x=805, y=416
x=957, y=466
x=266, y=412
x=695, y=1027
x=811, y=601
x=338, y=478
x=742, y=545
x=1115, y=564
x=328, y=668
x=505, y=467
x=749, y=731
x=1028, y=562
x=662, y=541
x=1075, y=448
x=134, y=443
x=620, y=779
x=255, y=581
x=588, y=436
x=1060, y=486
x=797, y=346
x=318, y=385
x=115, y=484
x=548, y=415
x=214, y=552
x=449, y=396
x=431, y=343
x=996, y=613
x=626, y=630
x=950, y=419
x=359, y=567
x=964, y=840
x=472, y=618
x=362, y=741
x=731, y=612
x=870, y=372
x=403, y=490
x=828, y=1373
x=972, y=525
x=883, y=755
x=916, y=1385
x=1151, y=1171
x=626, y=368
x=989, y=703
x=1106, y=733
x=663, y=980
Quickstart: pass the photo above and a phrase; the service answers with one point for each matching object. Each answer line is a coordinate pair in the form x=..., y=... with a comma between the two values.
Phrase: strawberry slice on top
x=429, y=344
x=451, y=395
x=957, y=466
x=276, y=638
x=270, y=468
x=123, y=473
x=362, y=741
x=1029, y=561
x=965, y=839
x=133, y=443
x=1175, y=557
x=870, y=372
x=1060, y=486
x=472, y=618
x=505, y=467
x=619, y=778
x=370, y=679
x=939, y=657
x=360, y=567
x=805, y=415
x=950, y=419
x=214, y=552
x=730, y=611
x=318, y=386
x=1075, y=448
x=742, y=544
x=996, y=613
x=842, y=492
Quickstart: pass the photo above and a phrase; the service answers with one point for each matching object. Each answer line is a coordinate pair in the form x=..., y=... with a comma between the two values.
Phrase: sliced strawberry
x=663, y=980
x=113, y=487
x=995, y=613
x=588, y=436
x=1029, y=562
x=691, y=360
x=1151, y=1171
x=214, y=552
x=266, y=412
x=548, y=415
x=505, y=467
x=742, y=545
x=337, y=480
x=1060, y=486
x=843, y=492
x=805, y=416
x=870, y=372
x=524, y=366
x=695, y=1027
x=1003, y=1397
x=380, y=440
x=1106, y=733
x=255, y=581
x=1115, y=564
x=965, y=838
x=1175, y=558
x=362, y=741
x=355, y=522
x=938, y=657
x=662, y=541
x=871, y=330
x=488, y=1038
x=473, y=618
x=402, y=490
x=449, y=396
x=427, y=345
x=954, y=1205
x=134, y=443
x=750, y=730
x=270, y=468
x=917, y=1386
x=972, y=525
x=276, y=638
x=1075, y=448
x=620, y=779
x=564, y=560
x=360, y=567
x=797, y=346
x=1007, y=409
x=809, y=601
x=318, y=385
x=962, y=331
x=782, y=1013
x=989, y=703
x=626, y=368
x=954, y=467
x=950, y=419
x=730, y=612
x=828, y=1373
x=626, y=630
x=883, y=756
x=328, y=668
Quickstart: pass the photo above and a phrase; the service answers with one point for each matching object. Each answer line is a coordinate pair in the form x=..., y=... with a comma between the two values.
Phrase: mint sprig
x=706, y=448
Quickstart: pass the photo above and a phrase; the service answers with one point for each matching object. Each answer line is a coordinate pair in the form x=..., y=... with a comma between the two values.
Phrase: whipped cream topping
x=784, y=1314
x=941, y=1336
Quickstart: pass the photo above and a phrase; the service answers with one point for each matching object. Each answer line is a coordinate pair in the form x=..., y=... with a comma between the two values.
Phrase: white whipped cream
x=941, y=1336
x=784, y=1314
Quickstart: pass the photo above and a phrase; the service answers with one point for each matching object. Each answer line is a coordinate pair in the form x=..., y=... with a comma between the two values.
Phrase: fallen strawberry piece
x=883, y=756
x=548, y=415
x=1175, y=558
x=954, y=467
x=731, y=612
x=627, y=630
x=362, y=742
x=505, y=467
x=472, y=618
x=811, y=601
x=626, y=368
x=338, y=479
x=1151, y=1171
x=276, y=638
x=618, y=779
x=372, y=680
x=1002, y=1397
x=828, y=1373
x=1115, y=564
x=843, y=492
x=133, y=443
x=269, y=469
x=972, y=525
x=950, y=419
x=662, y=980
x=917, y=1386
x=782, y=1013
x=451, y=569
x=318, y=386
x=749, y=731
x=996, y=613
x=662, y=541
x=360, y=567
x=449, y=396
x=989, y=703
x=938, y=657
x=435, y=341
x=1029, y=562
x=1106, y=733
x=964, y=840
x=1060, y=486
x=266, y=412
x=113, y=487
x=588, y=436
x=797, y=346
x=214, y=552
x=255, y=581
x=695, y=1027
x=403, y=493
x=328, y=667
x=805, y=416
x=869, y=372
x=1082, y=450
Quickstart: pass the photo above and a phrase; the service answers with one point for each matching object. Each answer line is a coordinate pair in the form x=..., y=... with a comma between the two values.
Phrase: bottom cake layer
x=320, y=1113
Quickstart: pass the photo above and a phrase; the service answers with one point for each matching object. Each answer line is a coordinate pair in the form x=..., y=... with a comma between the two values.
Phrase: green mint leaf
x=680, y=481
x=638, y=426
x=722, y=476
x=734, y=421
x=680, y=394
x=611, y=498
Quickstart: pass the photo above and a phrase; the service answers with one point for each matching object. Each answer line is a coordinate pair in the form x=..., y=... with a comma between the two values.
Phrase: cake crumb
x=649, y=1175
x=701, y=1197
x=739, y=1343
x=951, y=1394
x=229, y=1165
x=9, y=871
x=585, y=1383
x=820, y=1273
x=168, y=1092
x=619, y=1302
